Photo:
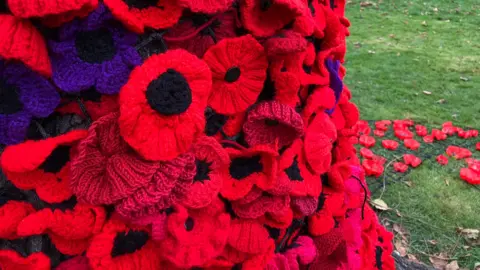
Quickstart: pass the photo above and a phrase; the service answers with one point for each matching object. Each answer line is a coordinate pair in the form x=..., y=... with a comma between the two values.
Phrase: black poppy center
x=321, y=202
x=293, y=172
x=271, y=122
x=170, y=93
x=265, y=4
x=232, y=74
x=9, y=99
x=189, y=223
x=91, y=94
x=129, y=242
x=215, y=121
x=140, y=4
x=378, y=257
x=245, y=166
x=203, y=168
x=56, y=160
x=95, y=46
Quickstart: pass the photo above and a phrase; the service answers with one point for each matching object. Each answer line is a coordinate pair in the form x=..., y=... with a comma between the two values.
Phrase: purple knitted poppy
x=95, y=51
x=23, y=94
x=336, y=83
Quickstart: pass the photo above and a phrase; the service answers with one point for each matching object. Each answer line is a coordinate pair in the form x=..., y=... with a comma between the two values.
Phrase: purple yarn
x=336, y=83
x=23, y=94
x=93, y=52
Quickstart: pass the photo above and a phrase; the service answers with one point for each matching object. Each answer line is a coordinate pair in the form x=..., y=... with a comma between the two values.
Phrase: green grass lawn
x=396, y=51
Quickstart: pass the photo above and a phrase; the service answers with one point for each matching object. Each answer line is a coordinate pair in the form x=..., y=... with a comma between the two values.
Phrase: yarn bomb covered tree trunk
x=180, y=134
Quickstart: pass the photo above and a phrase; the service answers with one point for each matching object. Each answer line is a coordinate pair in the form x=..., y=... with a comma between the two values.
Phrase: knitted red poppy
x=350, y=112
x=384, y=249
x=383, y=125
x=23, y=42
x=286, y=89
x=293, y=168
x=11, y=214
x=362, y=128
x=458, y=152
x=411, y=144
x=421, y=130
x=400, y=167
x=238, y=68
x=344, y=150
x=390, y=144
x=330, y=204
x=331, y=250
x=206, y=6
x=223, y=127
x=373, y=167
x=264, y=18
x=196, y=236
x=379, y=133
x=403, y=134
x=118, y=246
x=366, y=153
x=11, y=260
x=70, y=230
x=271, y=122
x=321, y=99
x=303, y=206
x=284, y=43
x=442, y=160
x=249, y=166
x=162, y=105
x=42, y=165
x=412, y=160
x=212, y=162
x=319, y=138
x=367, y=141
x=97, y=108
x=428, y=139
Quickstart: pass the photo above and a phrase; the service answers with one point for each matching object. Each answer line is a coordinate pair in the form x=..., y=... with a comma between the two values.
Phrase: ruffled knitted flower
x=199, y=32
x=196, y=236
x=301, y=252
x=23, y=95
x=95, y=104
x=138, y=15
x=272, y=122
x=331, y=251
x=93, y=52
x=10, y=259
x=212, y=162
x=43, y=165
x=318, y=143
x=249, y=166
x=12, y=212
x=238, y=70
x=162, y=105
x=206, y=6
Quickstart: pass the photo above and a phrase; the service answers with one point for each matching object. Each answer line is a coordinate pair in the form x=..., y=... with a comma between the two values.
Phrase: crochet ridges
x=189, y=134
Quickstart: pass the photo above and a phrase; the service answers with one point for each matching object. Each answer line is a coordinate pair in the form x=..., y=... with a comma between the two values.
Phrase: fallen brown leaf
x=476, y=266
x=398, y=213
x=380, y=204
x=399, y=246
x=453, y=265
x=469, y=233
x=366, y=4
x=399, y=229
x=439, y=261
x=433, y=242
x=412, y=258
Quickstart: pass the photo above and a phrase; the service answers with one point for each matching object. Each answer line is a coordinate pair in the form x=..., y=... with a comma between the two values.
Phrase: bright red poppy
x=403, y=134
x=390, y=144
x=379, y=133
x=442, y=160
x=362, y=128
x=448, y=128
x=477, y=146
x=400, y=167
x=367, y=141
x=373, y=167
x=474, y=164
x=411, y=144
x=383, y=125
x=438, y=134
x=470, y=176
x=473, y=133
x=380, y=159
x=412, y=160
x=366, y=153
x=428, y=139
x=458, y=152
x=421, y=130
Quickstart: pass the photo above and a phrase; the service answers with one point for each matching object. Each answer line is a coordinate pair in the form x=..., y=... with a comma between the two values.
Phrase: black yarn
x=268, y=91
x=293, y=172
x=141, y=4
x=203, y=169
x=91, y=94
x=57, y=159
x=378, y=257
x=307, y=69
x=310, y=6
x=237, y=266
x=265, y=4
x=170, y=93
x=232, y=74
x=63, y=206
x=324, y=178
x=274, y=233
x=243, y=167
x=321, y=202
x=8, y=192
x=271, y=122
x=4, y=7
x=332, y=4
x=215, y=121
x=129, y=242
x=95, y=46
x=189, y=224
x=9, y=99
x=228, y=207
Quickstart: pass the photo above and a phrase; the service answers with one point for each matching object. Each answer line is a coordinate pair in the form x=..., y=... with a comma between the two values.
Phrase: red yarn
x=165, y=14
x=11, y=260
x=383, y=125
x=206, y=6
x=284, y=43
x=367, y=141
x=411, y=144
x=321, y=99
x=23, y=42
x=373, y=167
x=75, y=263
x=400, y=167
x=11, y=214
x=350, y=113
x=412, y=160
x=272, y=122
x=153, y=135
x=106, y=105
x=233, y=95
x=56, y=20
x=286, y=89
x=319, y=138
x=390, y=144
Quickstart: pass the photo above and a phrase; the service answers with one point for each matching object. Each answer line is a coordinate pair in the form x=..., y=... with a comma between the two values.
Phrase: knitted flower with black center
x=199, y=32
x=137, y=15
x=23, y=95
x=249, y=167
x=162, y=105
x=93, y=52
x=330, y=205
x=196, y=236
x=383, y=249
x=238, y=70
x=222, y=126
x=119, y=246
x=293, y=168
x=212, y=162
x=206, y=6
x=69, y=230
x=43, y=165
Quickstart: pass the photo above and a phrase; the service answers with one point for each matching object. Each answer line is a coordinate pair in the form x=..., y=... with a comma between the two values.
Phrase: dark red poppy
x=477, y=146
x=470, y=176
x=421, y=130
x=412, y=160
x=383, y=125
x=212, y=163
x=162, y=105
x=428, y=139
x=438, y=135
x=138, y=15
x=11, y=214
x=272, y=123
x=367, y=141
x=373, y=167
x=379, y=133
x=69, y=230
x=400, y=167
x=362, y=128
x=24, y=43
x=390, y=144
x=458, y=152
x=318, y=143
x=97, y=106
x=411, y=144
x=366, y=153
x=238, y=68
x=442, y=160
x=206, y=6
x=249, y=166
x=43, y=165
x=10, y=259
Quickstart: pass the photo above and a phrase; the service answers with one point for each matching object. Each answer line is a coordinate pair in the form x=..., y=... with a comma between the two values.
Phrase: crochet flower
x=10, y=259
x=238, y=71
x=212, y=162
x=206, y=6
x=301, y=252
x=249, y=167
x=318, y=143
x=138, y=15
x=96, y=104
x=162, y=105
x=196, y=236
x=221, y=126
x=11, y=214
x=93, y=52
x=23, y=94
x=42, y=165
x=199, y=32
